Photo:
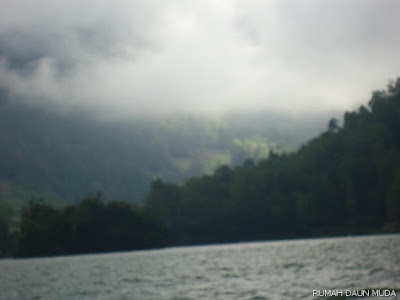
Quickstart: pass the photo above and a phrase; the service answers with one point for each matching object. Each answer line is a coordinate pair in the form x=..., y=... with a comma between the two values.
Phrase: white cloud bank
x=162, y=56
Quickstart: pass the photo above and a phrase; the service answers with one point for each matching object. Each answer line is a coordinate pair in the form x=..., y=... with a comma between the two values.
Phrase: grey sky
x=155, y=55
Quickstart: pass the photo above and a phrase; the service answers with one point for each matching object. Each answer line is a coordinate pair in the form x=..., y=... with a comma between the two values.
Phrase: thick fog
x=155, y=56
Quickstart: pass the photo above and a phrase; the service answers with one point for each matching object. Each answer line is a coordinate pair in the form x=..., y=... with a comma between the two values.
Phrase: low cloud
x=154, y=56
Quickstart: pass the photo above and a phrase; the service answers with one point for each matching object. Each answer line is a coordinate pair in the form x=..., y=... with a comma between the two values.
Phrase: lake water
x=261, y=270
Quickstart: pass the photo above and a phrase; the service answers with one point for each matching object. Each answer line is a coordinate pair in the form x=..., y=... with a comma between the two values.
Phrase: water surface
x=261, y=270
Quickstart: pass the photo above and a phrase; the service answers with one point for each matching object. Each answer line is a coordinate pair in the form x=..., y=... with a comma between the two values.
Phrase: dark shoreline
x=272, y=240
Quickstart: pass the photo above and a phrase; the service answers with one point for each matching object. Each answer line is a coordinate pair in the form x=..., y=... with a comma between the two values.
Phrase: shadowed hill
x=60, y=157
x=346, y=180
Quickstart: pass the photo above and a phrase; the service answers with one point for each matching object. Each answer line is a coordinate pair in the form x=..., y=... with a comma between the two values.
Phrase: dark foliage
x=347, y=180
x=91, y=226
x=344, y=181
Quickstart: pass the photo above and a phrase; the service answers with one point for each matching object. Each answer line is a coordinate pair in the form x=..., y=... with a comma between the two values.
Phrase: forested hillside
x=347, y=180
x=60, y=157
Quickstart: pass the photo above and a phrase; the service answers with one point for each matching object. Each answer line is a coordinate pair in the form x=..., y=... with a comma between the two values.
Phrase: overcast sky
x=156, y=55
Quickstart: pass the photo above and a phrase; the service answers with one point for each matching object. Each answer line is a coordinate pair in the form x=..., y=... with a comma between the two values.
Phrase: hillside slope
x=59, y=158
x=346, y=180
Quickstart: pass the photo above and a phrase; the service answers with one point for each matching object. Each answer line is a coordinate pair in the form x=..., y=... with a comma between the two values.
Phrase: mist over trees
x=345, y=181
x=58, y=157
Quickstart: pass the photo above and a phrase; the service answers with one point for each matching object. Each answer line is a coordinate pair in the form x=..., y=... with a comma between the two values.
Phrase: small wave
x=258, y=298
x=132, y=280
x=376, y=270
x=293, y=265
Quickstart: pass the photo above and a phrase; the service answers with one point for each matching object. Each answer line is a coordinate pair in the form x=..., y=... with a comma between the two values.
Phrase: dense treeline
x=7, y=229
x=344, y=180
x=91, y=226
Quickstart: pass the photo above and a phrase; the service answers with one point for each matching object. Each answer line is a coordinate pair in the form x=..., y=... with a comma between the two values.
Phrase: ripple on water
x=270, y=270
